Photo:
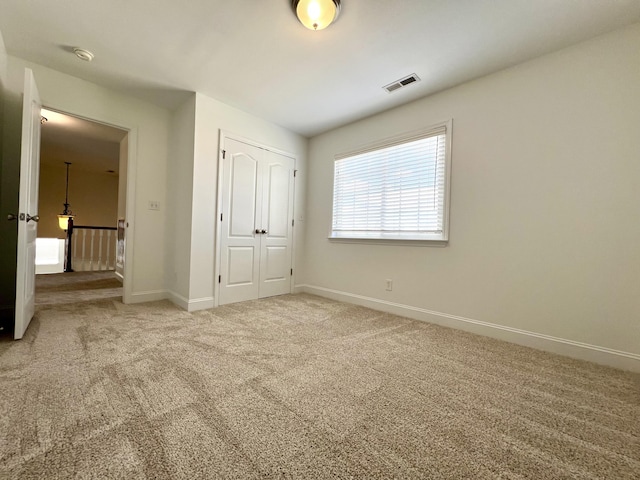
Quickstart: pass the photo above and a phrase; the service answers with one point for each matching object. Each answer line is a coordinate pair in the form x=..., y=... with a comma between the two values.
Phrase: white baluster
x=84, y=241
x=100, y=250
x=106, y=262
x=74, y=253
x=115, y=249
x=93, y=237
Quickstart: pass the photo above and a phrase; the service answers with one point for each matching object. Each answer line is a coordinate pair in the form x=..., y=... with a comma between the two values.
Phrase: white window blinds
x=393, y=191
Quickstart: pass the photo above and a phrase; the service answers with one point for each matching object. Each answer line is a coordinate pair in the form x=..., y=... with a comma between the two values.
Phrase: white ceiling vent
x=403, y=82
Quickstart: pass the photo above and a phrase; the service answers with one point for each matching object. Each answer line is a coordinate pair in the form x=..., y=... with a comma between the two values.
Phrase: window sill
x=411, y=242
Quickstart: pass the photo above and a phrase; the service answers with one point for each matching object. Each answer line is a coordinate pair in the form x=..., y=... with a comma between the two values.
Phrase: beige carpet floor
x=299, y=387
x=76, y=287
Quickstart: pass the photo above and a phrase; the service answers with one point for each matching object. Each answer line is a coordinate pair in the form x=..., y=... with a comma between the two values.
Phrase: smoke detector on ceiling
x=403, y=82
x=83, y=54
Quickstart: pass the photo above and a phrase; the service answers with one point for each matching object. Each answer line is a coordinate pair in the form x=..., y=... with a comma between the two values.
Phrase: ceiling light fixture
x=66, y=216
x=83, y=54
x=316, y=14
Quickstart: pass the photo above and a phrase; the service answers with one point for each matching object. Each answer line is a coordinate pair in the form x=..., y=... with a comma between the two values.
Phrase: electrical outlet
x=389, y=285
x=154, y=205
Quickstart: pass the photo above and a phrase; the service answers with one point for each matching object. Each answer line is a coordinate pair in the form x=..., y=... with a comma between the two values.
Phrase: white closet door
x=256, y=238
x=277, y=213
x=239, y=244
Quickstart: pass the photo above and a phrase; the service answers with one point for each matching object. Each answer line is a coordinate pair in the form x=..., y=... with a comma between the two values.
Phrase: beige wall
x=122, y=177
x=10, y=121
x=123, y=165
x=148, y=127
x=192, y=190
x=93, y=198
x=179, y=196
x=545, y=202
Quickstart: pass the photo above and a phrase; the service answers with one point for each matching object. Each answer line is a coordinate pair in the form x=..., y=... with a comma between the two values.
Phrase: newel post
x=67, y=266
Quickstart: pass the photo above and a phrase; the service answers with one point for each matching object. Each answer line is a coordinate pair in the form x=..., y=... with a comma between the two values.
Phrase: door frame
x=132, y=134
x=223, y=135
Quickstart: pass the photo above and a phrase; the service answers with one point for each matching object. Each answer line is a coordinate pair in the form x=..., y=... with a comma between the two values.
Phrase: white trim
x=204, y=303
x=397, y=238
x=129, y=216
x=130, y=206
x=562, y=346
x=190, y=305
x=148, y=296
x=178, y=299
x=434, y=129
x=216, y=244
x=239, y=138
x=382, y=241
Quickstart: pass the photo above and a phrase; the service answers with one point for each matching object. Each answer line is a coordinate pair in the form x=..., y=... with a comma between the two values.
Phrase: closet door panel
x=277, y=213
x=241, y=269
x=276, y=200
x=240, y=245
x=276, y=264
x=242, y=196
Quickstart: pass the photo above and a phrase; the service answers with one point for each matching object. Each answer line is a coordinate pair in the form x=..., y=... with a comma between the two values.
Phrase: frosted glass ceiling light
x=316, y=14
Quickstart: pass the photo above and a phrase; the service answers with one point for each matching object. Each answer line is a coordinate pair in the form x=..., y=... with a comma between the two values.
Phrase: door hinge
x=219, y=278
x=224, y=153
x=292, y=271
x=295, y=172
x=220, y=217
x=292, y=222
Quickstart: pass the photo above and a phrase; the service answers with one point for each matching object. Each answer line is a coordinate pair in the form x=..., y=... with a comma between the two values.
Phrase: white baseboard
x=178, y=299
x=200, y=304
x=191, y=305
x=561, y=346
x=149, y=296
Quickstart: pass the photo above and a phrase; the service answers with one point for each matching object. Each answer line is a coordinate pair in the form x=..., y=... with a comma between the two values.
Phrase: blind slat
x=398, y=188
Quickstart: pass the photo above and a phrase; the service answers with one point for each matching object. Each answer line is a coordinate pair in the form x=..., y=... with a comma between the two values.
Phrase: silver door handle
x=263, y=232
x=11, y=216
x=35, y=218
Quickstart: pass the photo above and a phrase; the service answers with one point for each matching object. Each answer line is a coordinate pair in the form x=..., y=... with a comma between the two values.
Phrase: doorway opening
x=83, y=172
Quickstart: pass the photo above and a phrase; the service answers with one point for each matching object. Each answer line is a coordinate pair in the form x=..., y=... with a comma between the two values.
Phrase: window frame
x=395, y=238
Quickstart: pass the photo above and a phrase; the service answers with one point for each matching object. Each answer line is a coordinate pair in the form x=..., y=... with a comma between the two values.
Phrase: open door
x=28, y=206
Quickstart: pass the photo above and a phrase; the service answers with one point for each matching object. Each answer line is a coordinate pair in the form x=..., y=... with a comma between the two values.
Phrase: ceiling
x=89, y=146
x=254, y=55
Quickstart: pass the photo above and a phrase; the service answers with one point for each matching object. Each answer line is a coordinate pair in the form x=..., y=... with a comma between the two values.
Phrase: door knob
x=11, y=216
x=263, y=232
x=35, y=218
x=258, y=231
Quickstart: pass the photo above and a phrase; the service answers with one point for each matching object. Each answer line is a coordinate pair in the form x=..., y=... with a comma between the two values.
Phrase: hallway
x=76, y=287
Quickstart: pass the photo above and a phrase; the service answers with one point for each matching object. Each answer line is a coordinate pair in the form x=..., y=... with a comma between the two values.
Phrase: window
x=394, y=190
